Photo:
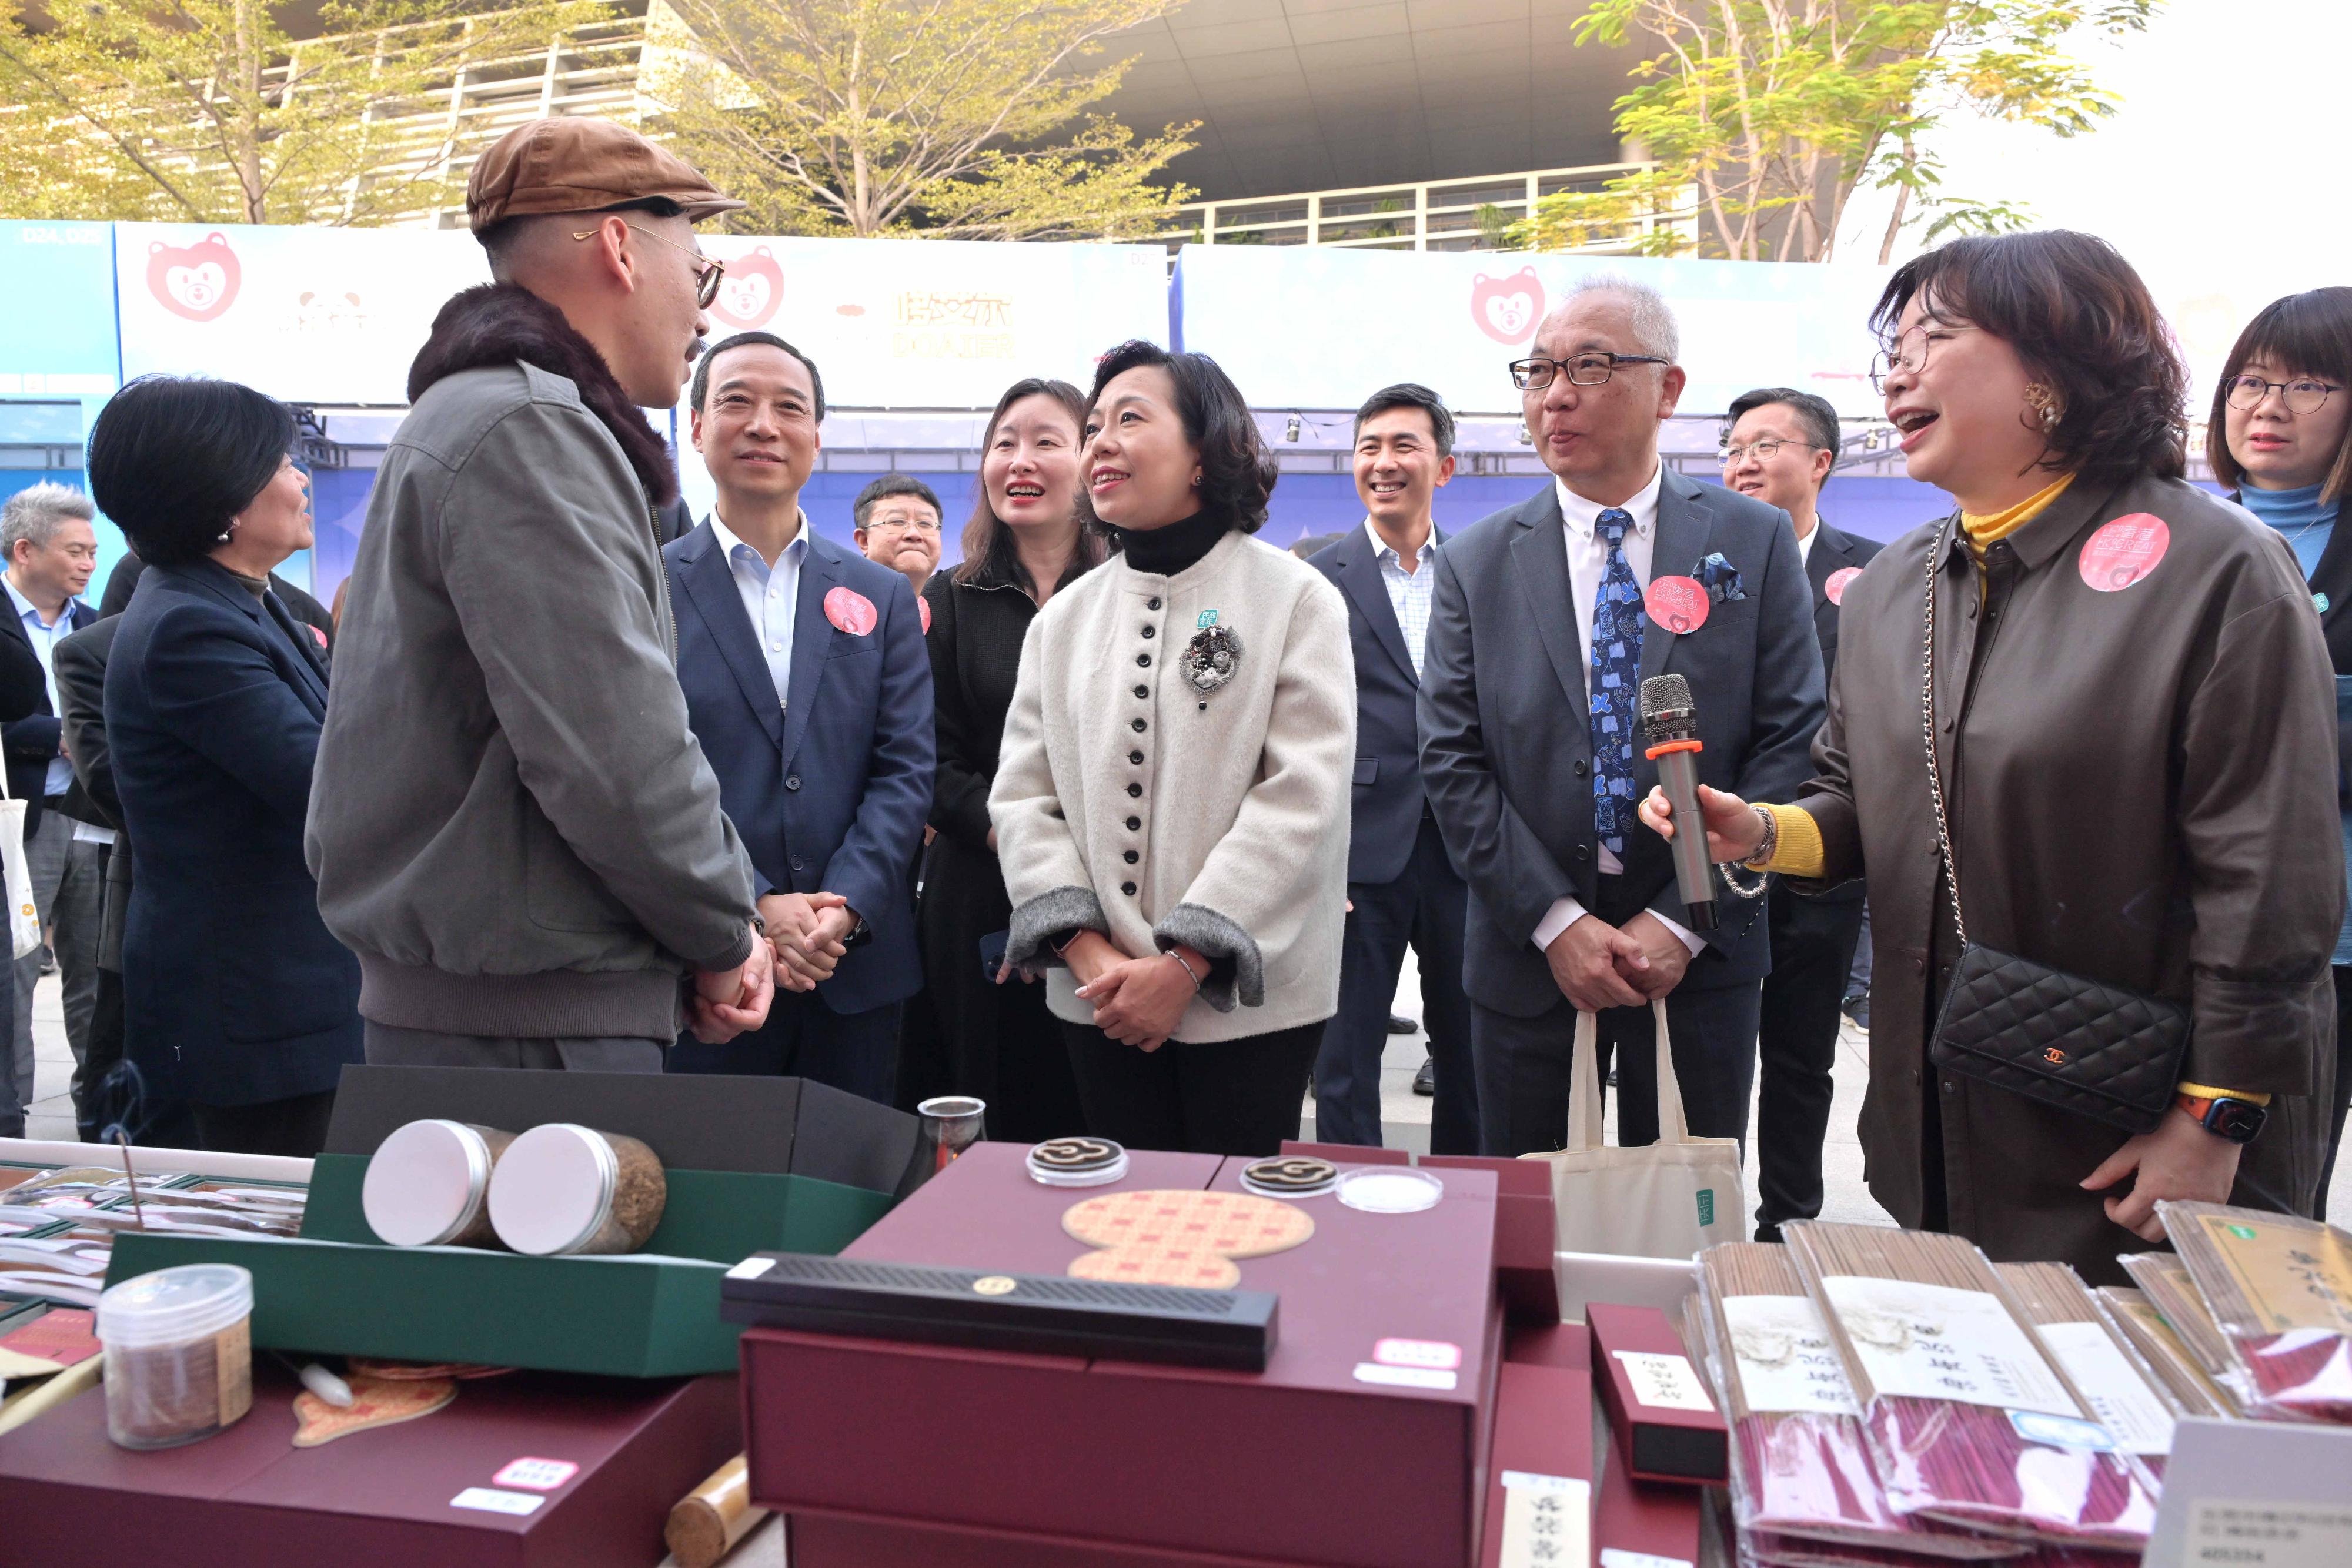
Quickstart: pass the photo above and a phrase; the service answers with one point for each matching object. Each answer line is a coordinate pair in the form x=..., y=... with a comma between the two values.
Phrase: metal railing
x=1436, y=214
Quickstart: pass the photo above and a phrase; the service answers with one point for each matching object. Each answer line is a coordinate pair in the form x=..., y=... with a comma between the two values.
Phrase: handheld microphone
x=1671, y=724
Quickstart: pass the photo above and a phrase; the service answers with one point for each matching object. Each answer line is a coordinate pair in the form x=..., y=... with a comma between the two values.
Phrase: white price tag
x=2120, y=1397
x=535, y=1474
x=1407, y=1376
x=1664, y=1382
x=489, y=1501
x=1618, y=1557
x=751, y=1268
x=1783, y=1357
x=1432, y=1353
x=1547, y=1526
x=1936, y=1342
x=2223, y=1533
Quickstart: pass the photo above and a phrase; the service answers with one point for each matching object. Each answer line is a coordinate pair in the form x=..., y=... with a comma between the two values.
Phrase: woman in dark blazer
x=215, y=694
x=1025, y=542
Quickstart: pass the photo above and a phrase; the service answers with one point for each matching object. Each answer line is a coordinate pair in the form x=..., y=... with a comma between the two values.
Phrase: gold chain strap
x=1928, y=729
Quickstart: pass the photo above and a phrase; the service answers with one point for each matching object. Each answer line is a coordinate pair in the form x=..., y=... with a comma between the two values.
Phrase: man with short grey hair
x=51, y=550
x=1531, y=750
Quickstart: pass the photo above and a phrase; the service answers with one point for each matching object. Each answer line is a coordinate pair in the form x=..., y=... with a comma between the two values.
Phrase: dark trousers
x=388, y=1046
x=1523, y=1069
x=855, y=1053
x=1812, y=954
x=1221, y=1097
x=2342, y=1096
x=102, y=1059
x=1426, y=907
x=295, y=1127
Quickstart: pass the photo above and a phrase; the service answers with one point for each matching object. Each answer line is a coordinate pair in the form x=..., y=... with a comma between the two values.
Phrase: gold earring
x=2044, y=403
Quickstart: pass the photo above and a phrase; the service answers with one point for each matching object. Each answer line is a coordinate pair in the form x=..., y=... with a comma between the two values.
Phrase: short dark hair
x=1813, y=411
x=172, y=459
x=1410, y=395
x=2083, y=322
x=1237, y=472
x=2308, y=333
x=701, y=387
x=891, y=485
x=499, y=241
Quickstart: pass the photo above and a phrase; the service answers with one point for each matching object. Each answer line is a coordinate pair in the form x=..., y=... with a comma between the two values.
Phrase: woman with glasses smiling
x=2281, y=435
x=2120, y=708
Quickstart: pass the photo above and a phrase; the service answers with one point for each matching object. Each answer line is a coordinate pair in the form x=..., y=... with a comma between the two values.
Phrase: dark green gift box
x=339, y=1290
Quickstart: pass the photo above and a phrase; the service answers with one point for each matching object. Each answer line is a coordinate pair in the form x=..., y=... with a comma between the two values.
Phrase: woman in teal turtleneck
x=2282, y=434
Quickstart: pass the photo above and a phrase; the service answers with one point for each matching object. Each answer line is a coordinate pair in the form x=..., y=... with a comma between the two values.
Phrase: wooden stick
x=710, y=1520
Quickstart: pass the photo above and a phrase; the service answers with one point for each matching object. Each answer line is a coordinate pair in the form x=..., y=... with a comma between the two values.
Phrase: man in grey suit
x=1531, y=753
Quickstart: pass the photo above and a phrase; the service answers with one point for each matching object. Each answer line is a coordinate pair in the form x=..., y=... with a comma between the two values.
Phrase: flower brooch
x=1210, y=659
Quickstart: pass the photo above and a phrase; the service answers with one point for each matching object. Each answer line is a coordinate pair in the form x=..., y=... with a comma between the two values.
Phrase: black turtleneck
x=1165, y=551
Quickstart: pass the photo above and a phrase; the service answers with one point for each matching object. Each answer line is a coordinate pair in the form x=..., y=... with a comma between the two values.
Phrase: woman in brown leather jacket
x=2136, y=749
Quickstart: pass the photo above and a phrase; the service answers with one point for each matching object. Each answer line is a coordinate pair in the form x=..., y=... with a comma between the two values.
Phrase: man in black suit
x=1781, y=449
x=1403, y=887
x=1530, y=749
x=51, y=549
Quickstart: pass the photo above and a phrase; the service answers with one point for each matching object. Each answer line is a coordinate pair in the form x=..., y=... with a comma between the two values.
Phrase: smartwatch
x=2236, y=1120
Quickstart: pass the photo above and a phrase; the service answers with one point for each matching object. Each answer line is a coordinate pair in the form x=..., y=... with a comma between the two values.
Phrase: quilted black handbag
x=2096, y=1049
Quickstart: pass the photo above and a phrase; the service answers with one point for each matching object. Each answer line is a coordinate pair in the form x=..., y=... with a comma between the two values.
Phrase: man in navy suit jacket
x=808, y=687
x=1402, y=885
x=1531, y=749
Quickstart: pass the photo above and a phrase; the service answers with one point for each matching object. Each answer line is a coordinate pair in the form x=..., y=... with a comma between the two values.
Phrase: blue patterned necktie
x=1617, y=622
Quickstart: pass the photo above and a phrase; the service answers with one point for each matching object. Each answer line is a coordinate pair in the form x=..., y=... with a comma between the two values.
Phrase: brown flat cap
x=581, y=165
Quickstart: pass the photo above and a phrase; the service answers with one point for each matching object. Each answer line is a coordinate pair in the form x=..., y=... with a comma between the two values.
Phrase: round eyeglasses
x=1591, y=370
x=2305, y=396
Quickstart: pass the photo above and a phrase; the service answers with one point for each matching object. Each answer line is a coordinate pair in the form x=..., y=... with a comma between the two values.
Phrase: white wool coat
x=1132, y=801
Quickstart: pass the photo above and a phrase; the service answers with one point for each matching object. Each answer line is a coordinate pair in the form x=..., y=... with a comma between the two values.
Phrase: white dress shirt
x=770, y=596
x=1588, y=562
x=1805, y=544
x=1409, y=592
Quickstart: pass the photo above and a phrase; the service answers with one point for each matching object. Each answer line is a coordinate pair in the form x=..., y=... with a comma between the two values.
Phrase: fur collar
x=502, y=324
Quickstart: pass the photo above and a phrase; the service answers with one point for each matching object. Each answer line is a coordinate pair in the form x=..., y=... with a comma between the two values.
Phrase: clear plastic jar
x=179, y=1354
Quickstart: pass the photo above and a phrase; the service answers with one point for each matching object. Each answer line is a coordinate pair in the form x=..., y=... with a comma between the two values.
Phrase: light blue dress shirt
x=44, y=641
x=770, y=596
x=1409, y=592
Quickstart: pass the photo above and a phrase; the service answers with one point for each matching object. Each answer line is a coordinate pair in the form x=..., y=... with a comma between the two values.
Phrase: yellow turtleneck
x=1983, y=530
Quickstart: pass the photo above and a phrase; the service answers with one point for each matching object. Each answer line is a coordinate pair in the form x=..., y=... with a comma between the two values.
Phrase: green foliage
x=209, y=111
x=1764, y=116
x=958, y=119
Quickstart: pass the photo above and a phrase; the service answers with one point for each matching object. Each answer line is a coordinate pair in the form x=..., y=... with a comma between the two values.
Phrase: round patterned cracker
x=1233, y=1224
x=1148, y=1264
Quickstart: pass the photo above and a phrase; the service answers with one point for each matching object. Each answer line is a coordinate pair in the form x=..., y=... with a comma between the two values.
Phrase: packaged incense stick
x=1800, y=1471
x=2123, y=1393
x=1968, y=1422
x=2280, y=1289
x=2191, y=1391
x=2165, y=1277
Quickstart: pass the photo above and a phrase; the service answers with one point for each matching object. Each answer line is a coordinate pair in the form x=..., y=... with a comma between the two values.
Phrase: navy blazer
x=1832, y=552
x=828, y=789
x=31, y=742
x=1506, y=753
x=1387, y=802
x=214, y=701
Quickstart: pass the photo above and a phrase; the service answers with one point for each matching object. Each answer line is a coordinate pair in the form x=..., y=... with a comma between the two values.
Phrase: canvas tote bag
x=1668, y=1200
x=24, y=915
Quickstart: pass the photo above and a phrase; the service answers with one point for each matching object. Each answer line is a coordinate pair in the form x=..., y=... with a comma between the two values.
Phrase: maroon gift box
x=1525, y=1234
x=1645, y=1519
x=377, y=1498
x=1310, y=1463
x=1543, y=1425
x=1654, y=1396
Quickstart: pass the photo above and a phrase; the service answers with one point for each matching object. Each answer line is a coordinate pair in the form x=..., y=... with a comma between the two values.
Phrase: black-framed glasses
x=2303, y=397
x=1589, y=370
x=1764, y=449
x=1907, y=353
x=707, y=270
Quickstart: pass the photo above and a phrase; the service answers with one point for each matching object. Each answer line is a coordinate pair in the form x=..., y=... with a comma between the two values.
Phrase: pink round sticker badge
x=1677, y=604
x=1834, y=588
x=2124, y=551
x=923, y=609
x=851, y=610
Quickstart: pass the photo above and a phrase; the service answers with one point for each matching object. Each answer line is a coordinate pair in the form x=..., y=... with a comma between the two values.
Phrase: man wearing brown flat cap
x=512, y=825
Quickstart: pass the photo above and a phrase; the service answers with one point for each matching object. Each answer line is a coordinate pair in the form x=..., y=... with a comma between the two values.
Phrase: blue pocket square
x=1720, y=579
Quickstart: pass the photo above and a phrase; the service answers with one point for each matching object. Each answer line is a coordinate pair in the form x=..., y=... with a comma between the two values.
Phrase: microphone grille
x=1665, y=694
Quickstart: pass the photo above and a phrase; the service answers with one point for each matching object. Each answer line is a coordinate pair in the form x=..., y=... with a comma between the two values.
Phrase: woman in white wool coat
x=1171, y=803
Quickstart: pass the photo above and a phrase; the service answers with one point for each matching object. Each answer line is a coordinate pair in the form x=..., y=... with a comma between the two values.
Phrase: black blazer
x=1832, y=552
x=214, y=702
x=31, y=742
x=80, y=662
x=1387, y=802
x=1506, y=751
x=123, y=581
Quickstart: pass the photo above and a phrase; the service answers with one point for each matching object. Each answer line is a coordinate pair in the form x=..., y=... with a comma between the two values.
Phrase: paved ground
x=1404, y=1114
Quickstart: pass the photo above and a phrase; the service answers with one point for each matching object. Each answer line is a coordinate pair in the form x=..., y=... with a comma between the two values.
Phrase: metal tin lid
x=553, y=1189
x=1076, y=1161
x=426, y=1184
x=1390, y=1189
